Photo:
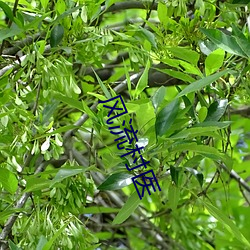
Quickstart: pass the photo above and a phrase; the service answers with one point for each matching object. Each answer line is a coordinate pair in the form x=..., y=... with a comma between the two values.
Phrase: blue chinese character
x=114, y=108
x=145, y=184
x=144, y=163
x=126, y=131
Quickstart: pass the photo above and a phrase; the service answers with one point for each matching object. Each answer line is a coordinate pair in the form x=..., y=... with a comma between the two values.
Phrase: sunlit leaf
x=8, y=180
x=116, y=181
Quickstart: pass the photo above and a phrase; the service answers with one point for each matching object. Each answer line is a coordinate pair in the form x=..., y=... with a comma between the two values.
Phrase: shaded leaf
x=198, y=175
x=245, y=2
x=166, y=117
x=116, y=181
x=174, y=172
x=216, y=110
x=56, y=35
x=223, y=41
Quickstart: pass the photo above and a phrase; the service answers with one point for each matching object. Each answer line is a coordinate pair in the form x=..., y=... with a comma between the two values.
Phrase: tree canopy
x=181, y=70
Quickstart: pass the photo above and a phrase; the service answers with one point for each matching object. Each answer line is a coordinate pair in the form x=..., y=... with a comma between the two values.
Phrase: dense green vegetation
x=182, y=69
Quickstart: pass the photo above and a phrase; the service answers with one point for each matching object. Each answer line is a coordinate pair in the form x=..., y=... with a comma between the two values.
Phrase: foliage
x=182, y=68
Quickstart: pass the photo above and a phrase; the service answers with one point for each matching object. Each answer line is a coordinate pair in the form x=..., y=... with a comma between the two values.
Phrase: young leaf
x=56, y=35
x=143, y=81
x=129, y=207
x=116, y=181
x=166, y=117
x=162, y=12
x=104, y=89
x=214, y=61
x=49, y=244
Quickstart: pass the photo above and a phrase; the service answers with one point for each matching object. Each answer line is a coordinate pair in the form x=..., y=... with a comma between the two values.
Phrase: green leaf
x=9, y=32
x=49, y=244
x=186, y=54
x=223, y=41
x=197, y=85
x=162, y=12
x=202, y=114
x=198, y=175
x=129, y=207
x=116, y=181
x=227, y=223
x=147, y=35
x=214, y=61
x=56, y=35
x=166, y=117
x=13, y=246
x=216, y=110
x=193, y=132
x=98, y=210
x=219, y=125
x=158, y=97
x=173, y=196
x=34, y=183
x=70, y=101
x=7, y=10
x=177, y=74
x=245, y=2
x=174, y=172
x=8, y=180
x=104, y=89
x=41, y=243
x=143, y=81
x=66, y=172
x=9, y=211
